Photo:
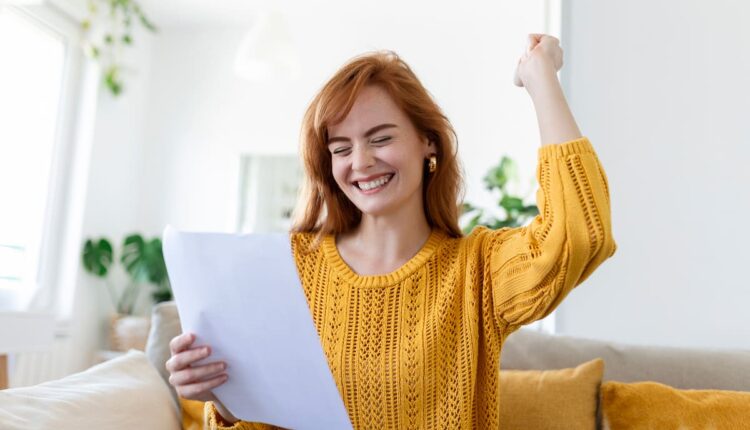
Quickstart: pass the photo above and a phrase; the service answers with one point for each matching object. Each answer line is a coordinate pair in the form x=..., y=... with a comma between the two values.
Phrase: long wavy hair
x=323, y=208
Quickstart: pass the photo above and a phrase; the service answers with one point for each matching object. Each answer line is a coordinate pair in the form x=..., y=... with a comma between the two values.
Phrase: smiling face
x=377, y=156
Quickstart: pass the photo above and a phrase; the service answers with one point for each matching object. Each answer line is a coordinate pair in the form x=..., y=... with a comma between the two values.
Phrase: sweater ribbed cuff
x=561, y=150
x=214, y=420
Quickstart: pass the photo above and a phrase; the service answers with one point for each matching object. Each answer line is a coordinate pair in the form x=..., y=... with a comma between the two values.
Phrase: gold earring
x=433, y=163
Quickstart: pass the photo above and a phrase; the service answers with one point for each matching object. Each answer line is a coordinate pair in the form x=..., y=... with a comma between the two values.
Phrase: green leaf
x=133, y=257
x=146, y=23
x=511, y=203
x=127, y=39
x=112, y=81
x=504, y=223
x=495, y=178
x=108, y=39
x=97, y=257
x=498, y=176
x=144, y=260
x=531, y=210
x=162, y=294
x=157, y=267
x=510, y=168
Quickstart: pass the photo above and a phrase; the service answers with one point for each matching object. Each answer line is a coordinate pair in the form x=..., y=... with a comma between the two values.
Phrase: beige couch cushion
x=165, y=324
x=683, y=368
x=123, y=393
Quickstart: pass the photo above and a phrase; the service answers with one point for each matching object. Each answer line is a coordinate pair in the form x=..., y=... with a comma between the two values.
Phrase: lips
x=377, y=181
x=371, y=178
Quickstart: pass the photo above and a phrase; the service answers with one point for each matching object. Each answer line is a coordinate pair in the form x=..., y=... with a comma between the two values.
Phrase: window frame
x=54, y=278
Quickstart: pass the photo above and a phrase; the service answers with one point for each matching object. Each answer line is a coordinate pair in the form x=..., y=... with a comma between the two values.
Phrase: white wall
x=113, y=199
x=662, y=89
x=202, y=116
x=662, y=105
x=167, y=150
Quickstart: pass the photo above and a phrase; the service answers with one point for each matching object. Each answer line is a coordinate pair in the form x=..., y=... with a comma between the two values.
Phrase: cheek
x=339, y=174
x=410, y=165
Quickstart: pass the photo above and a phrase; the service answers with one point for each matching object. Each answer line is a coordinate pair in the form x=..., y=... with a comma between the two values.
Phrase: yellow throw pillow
x=650, y=405
x=550, y=399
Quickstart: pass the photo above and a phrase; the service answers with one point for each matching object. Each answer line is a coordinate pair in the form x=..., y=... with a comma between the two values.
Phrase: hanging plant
x=106, y=34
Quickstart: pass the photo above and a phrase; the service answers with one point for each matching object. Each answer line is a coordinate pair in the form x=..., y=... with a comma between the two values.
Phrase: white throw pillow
x=123, y=393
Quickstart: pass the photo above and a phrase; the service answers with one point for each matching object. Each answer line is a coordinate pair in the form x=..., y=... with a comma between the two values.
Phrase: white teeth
x=374, y=184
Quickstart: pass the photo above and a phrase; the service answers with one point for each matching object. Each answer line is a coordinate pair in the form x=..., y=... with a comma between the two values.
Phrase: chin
x=374, y=210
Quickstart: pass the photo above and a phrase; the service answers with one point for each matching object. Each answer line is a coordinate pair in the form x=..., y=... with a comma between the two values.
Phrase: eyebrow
x=368, y=133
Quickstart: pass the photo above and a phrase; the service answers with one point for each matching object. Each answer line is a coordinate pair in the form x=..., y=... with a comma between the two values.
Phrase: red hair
x=323, y=208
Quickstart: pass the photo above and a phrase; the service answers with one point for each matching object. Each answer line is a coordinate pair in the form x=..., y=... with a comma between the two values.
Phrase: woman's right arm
x=196, y=382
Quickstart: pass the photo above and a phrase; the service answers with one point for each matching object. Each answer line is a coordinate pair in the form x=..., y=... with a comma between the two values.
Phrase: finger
x=533, y=40
x=184, y=359
x=202, y=387
x=548, y=38
x=192, y=375
x=181, y=342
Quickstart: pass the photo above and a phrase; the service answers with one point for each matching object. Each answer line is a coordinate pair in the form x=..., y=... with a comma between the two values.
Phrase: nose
x=362, y=158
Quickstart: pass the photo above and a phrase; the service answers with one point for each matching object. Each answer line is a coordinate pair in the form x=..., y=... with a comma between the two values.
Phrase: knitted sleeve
x=532, y=268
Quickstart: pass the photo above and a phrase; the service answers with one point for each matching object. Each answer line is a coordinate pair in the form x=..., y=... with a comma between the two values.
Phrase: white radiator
x=31, y=368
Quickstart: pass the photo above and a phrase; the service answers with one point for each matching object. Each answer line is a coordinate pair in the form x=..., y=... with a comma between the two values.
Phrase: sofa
x=132, y=391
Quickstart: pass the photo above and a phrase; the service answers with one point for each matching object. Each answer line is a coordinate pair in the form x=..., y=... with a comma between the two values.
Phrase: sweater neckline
x=382, y=280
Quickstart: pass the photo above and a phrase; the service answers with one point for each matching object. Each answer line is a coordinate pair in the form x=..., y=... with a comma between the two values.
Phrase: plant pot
x=129, y=332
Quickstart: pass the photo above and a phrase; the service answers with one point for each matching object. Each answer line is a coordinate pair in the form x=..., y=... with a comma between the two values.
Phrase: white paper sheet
x=241, y=294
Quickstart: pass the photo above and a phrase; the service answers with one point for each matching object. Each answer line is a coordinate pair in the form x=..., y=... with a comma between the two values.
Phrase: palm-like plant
x=143, y=261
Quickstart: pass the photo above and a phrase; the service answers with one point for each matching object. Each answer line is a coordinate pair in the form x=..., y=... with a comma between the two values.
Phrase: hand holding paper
x=242, y=296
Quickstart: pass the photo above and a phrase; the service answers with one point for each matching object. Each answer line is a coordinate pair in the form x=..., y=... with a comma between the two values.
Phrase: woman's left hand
x=543, y=57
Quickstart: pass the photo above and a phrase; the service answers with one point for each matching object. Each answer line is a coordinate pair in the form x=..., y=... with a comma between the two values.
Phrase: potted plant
x=516, y=212
x=143, y=261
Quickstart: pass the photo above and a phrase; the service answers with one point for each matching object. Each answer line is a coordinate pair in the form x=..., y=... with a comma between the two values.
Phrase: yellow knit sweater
x=419, y=348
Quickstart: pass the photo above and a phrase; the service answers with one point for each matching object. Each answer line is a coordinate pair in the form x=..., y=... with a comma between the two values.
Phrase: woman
x=412, y=315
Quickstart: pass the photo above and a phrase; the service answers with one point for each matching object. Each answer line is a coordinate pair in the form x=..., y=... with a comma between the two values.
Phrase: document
x=242, y=295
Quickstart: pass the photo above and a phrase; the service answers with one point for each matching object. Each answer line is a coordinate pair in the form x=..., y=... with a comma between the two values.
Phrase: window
x=268, y=192
x=35, y=61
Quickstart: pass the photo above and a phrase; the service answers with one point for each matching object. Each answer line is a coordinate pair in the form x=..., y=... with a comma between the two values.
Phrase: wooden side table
x=3, y=371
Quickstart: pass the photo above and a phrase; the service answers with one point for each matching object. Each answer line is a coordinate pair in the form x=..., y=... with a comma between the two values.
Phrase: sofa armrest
x=165, y=325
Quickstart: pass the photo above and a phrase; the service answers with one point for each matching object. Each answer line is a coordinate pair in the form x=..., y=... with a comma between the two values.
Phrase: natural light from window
x=31, y=74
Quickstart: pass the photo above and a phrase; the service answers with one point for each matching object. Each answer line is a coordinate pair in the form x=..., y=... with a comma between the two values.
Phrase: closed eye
x=381, y=139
